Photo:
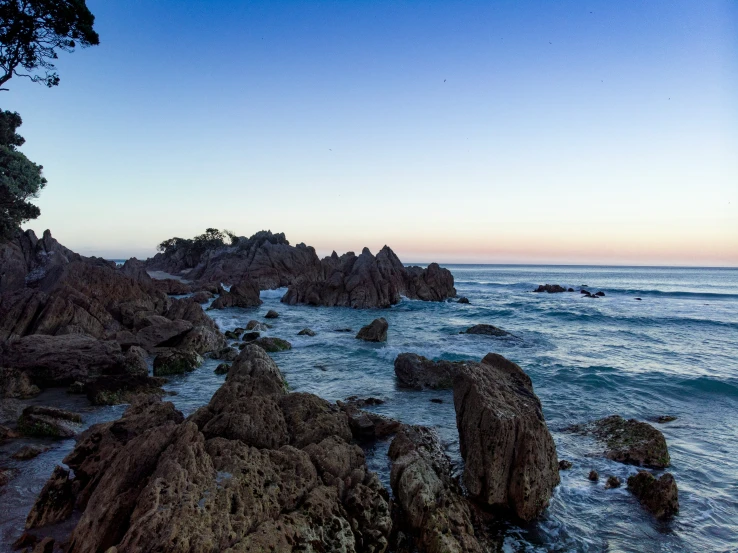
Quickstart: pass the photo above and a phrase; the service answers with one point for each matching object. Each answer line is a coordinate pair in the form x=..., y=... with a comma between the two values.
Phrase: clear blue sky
x=567, y=132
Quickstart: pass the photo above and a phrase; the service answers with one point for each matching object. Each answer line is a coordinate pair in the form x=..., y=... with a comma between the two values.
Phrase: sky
x=453, y=131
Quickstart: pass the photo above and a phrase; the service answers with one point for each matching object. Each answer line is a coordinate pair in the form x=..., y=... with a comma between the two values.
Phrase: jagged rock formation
x=245, y=293
x=660, y=496
x=509, y=454
x=418, y=372
x=431, y=500
x=366, y=281
x=376, y=331
x=257, y=469
x=629, y=441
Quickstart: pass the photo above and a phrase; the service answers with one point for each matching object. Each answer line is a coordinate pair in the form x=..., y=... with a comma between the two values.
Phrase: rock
x=342, y=330
x=436, y=400
x=257, y=326
x=46, y=545
x=76, y=387
x=593, y=476
x=565, y=465
x=629, y=441
x=376, y=331
x=366, y=425
x=202, y=296
x=600, y=294
x=271, y=314
x=16, y=384
x=273, y=345
x=243, y=294
x=117, y=389
x=251, y=336
x=366, y=281
x=28, y=452
x=135, y=362
x=570, y=289
x=550, y=288
x=26, y=540
x=418, y=372
x=41, y=421
x=223, y=368
x=172, y=287
x=201, y=339
x=431, y=501
x=55, y=502
x=7, y=434
x=462, y=300
x=306, y=332
x=60, y=360
x=486, y=330
x=509, y=454
x=612, y=482
x=5, y=476
x=225, y=354
x=665, y=418
x=660, y=497
x=231, y=335
x=638, y=299
x=158, y=335
x=176, y=362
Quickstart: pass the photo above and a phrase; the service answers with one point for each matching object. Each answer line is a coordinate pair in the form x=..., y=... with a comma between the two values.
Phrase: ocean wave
x=272, y=294
x=711, y=386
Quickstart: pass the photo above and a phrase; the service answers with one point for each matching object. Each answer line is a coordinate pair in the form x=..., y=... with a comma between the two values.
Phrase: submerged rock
x=28, y=452
x=612, y=482
x=665, y=418
x=223, y=368
x=486, y=330
x=52, y=422
x=509, y=454
x=629, y=441
x=418, y=372
x=463, y=300
x=593, y=476
x=272, y=345
x=271, y=314
x=660, y=497
x=565, y=465
x=376, y=331
x=176, y=362
x=306, y=332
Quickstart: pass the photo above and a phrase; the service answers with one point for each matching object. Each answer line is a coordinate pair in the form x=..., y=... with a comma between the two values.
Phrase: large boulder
x=430, y=284
x=256, y=469
x=176, y=361
x=52, y=422
x=61, y=360
x=509, y=455
x=420, y=373
x=550, y=288
x=629, y=441
x=272, y=344
x=376, y=331
x=431, y=501
x=243, y=294
x=660, y=496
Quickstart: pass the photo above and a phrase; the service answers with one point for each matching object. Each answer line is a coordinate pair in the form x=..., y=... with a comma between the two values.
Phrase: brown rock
x=243, y=294
x=54, y=503
x=376, y=331
x=175, y=361
x=510, y=457
x=612, y=482
x=117, y=389
x=418, y=372
x=660, y=497
x=593, y=476
x=550, y=288
x=158, y=335
x=271, y=314
x=202, y=296
x=270, y=343
x=486, y=330
x=42, y=421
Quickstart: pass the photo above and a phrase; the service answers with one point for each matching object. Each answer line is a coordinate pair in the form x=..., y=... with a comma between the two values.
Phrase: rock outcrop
x=257, y=469
x=629, y=441
x=660, y=496
x=550, y=288
x=366, y=281
x=376, y=331
x=486, y=330
x=431, y=501
x=421, y=373
x=509, y=454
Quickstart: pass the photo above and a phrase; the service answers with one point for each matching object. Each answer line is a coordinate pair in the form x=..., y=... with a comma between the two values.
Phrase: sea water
x=673, y=352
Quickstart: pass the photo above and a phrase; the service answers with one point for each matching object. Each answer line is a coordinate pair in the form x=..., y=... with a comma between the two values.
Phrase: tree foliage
x=212, y=238
x=33, y=31
x=20, y=178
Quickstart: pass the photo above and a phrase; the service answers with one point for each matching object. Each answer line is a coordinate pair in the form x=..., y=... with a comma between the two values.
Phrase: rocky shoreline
x=259, y=467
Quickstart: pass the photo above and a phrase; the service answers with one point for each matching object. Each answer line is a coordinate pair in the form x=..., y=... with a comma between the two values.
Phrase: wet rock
x=156, y=335
x=76, y=387
x=257, y=326
x=593, y=476
x=612, y=482
x=550, y=288
x=342, y=330
x=28, y=452
x=665, y=418
x=244, y=294
x=600, y=294
x=134, y=362
x=660, y=497
x=16, y=384
x=231, y=335
x=7, y=434
x=366, y=425
x=271, y=314
x=486, y=330
x=201, y=339
x=223, y=368
x=306, y=332
x=376, y=331
x=565, y=465
x=60, y=360
x=202, y=296
x=462, y=300
x=251, y=336
x=510, y=457
x=42, y=421
x=570, y=289
x=228, y=353
x=55, y=502
x=117, y=389
x=358, y=402
x=629, y=441
x=273, y=345
x=436, y=400
x=638, y=299
x=176, y=362
x=418, y=372
x=432, y=504
x=46, y=545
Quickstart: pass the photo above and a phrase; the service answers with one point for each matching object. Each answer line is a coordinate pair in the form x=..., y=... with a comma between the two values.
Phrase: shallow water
x=675, y=352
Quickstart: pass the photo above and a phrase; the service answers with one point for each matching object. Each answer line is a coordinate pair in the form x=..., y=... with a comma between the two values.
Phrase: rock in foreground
x=629, y=441
x=660, y=497
x=510, y=456
x=376, y=331
x=420, y=373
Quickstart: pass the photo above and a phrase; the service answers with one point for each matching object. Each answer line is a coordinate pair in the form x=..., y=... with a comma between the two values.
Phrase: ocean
x=673, y=352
